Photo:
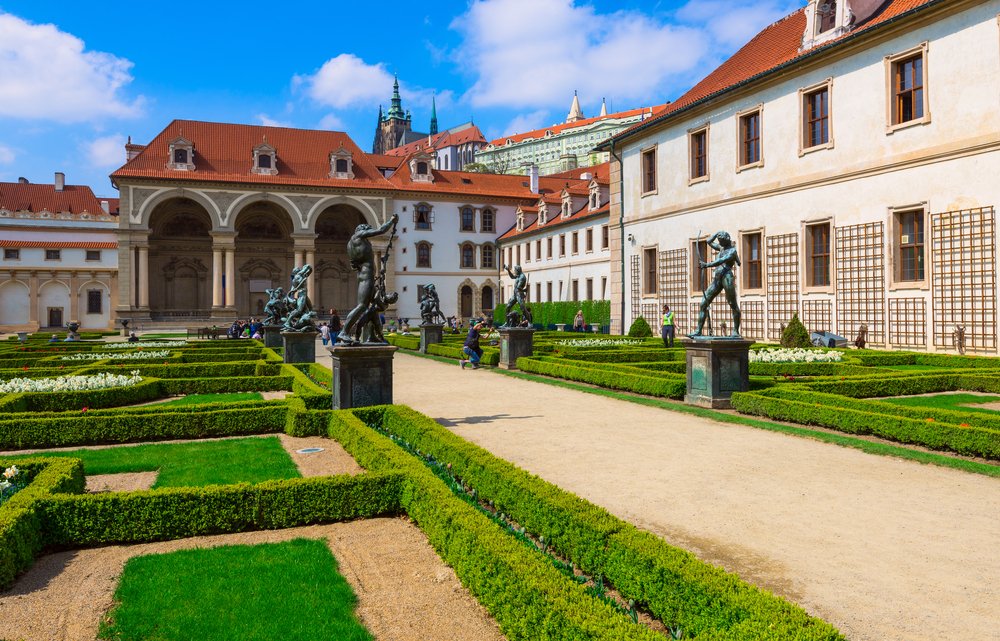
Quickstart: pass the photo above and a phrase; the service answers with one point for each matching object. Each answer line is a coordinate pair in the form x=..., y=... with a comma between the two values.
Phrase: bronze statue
x=299, y=314
x=520, y=297
x=363, y=323
x=722, y=279
x=276, y=307
x=430, y=307
x=959, y=338
x=862, y=338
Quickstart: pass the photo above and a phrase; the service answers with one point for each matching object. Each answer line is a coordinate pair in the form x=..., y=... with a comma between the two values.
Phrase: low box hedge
x=665, y=385
x=491, y=355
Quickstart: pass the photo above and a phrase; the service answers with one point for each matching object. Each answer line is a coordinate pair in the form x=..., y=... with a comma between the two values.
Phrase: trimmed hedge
x=403, y=342
x=666, y=385
x=491, y=355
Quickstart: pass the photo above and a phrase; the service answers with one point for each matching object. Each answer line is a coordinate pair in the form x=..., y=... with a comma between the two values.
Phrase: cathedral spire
x=396, y=107
x=434, y=116
x=604, y=108
x=575, y=113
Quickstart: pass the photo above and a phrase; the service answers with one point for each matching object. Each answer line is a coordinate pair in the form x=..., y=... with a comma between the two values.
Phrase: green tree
x=795, y=334
x=640, y=328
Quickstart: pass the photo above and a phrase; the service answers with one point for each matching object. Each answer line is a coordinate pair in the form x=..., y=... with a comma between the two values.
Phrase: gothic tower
x=392, y=125
x=434, y=116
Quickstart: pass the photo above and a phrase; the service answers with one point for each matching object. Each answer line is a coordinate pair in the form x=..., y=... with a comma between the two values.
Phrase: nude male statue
x=362, y=257
x=722, y=279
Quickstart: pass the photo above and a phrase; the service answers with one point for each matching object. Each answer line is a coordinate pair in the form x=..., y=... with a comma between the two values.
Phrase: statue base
x=300, y=347
x=362, y=376
x=716, y=367
x=429, y=334
x=272, y=336
x=515, y=342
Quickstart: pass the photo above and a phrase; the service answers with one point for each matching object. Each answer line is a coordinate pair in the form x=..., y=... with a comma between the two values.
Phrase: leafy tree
x=795, y=334
x=640, y=328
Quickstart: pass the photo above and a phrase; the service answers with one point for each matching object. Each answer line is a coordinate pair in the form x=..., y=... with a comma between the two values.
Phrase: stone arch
x=467, y=295
x=53, y=304
x=367, y=211
x=247, y=201
x=337, y=283
x=180, y=248
x=15, y=303
x=186, y=281
x=164, y=195
x=488, y=296
x=263, y=229
x=96, y=320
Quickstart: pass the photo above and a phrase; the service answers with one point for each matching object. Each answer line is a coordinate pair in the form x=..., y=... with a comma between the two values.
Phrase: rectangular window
x=699, y=154
x=562, y=244
x=590, y=289
x=487, y=256
x=605, y=237
x=53, y=254
x=576, y=289
x=538, y=292
x=750, y=139
x=576, y=243
x=527, y=252
x=590, y=239
x=538, y=249
x=468, y=219
x=548, y=248
x=816, y=117
x=910, y=245
x=12, y=254
x=908, y=89
x=518, y=259
x=422, y=217
x=753, y=261
x=649, y=271
x=93, y=254
x=818, y=255
x=95, y=300
x=700, y=277
x=649, y=171
x=548, y=291
x=604, y=287
x=487, y=221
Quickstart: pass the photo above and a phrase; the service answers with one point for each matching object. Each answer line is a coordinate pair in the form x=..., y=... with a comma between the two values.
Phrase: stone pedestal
x=272, y=336
x=300, y=347
x=362, y=376
x=716, y=367
x=429, y=334
x=515, y=342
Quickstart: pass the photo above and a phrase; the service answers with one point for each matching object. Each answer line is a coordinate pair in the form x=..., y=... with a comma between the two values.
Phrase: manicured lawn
x=249, y=460
x=198, y=399
x=948, y=402
x=290, y=591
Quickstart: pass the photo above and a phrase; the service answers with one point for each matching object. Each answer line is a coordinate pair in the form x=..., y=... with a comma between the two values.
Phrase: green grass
x=290, y=591
x=198, y=399
x=194, y=464
x=948, y=402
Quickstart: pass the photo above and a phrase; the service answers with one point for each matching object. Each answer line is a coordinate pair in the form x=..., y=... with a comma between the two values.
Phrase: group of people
x=331, y=330
x=252, y=328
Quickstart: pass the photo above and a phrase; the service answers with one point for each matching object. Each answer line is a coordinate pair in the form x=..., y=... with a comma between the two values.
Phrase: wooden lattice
x=782, y=282
x=636, y=293
x=860, y=273
x=963, y=260
x=674, y=287
x=651, y=312
x=817, y=314
x=908, y=322
x=753, y=319
x=718, y=312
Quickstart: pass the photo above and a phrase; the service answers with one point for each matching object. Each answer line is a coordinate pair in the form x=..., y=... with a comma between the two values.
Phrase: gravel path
x=882, y=548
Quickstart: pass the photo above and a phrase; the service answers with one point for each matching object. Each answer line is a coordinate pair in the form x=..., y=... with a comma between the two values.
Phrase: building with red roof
x=60, y=255
x=846, y=150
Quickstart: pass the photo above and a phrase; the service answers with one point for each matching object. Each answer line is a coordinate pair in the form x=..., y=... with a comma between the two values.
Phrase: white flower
x=794, y=355
x=4, y=485
x=598, y=342
x=11, y=472
x=69, y=383
x=145, y=344
x=93, y=356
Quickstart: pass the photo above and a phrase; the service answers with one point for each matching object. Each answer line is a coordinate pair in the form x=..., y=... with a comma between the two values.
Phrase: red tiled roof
x=773, y=48
x=384, y=161
x=440, y=141
x=75, y=199
x=76, y=244
x=223, y=152
x=601, y=173
x=555, y=221
x=557, y=129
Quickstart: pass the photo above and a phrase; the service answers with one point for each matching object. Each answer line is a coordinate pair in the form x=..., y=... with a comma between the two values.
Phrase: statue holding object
x=363, y=324
x=723, y=279
x=299, y=314
x=276, y=307
x=519, y=296
x=430, y=307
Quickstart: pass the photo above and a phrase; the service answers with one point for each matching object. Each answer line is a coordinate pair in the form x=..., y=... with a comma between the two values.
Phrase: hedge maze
x=526, y=588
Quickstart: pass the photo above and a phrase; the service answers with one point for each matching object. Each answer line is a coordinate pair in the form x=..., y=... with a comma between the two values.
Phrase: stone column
x=33, y=298
x=113, y=288
x=74, y=297
x=310, y=259
x=216, y=278
x=298, y=258
x=230, y=300
x=144, y=276
x=133, y=289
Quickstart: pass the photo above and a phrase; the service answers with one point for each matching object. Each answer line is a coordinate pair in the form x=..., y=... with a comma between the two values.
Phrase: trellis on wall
x=860, y=274
x=963, y=276
x=817, y=314
x=908, y=322
x=718, y=312
x=636, y=302
x=674, y=287
x=782, y=281
x=752, y=324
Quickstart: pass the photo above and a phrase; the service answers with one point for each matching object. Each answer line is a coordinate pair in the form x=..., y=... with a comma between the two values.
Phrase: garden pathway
x=883, y=548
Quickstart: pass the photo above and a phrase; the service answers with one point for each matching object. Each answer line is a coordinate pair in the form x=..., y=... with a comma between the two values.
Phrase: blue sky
x=77, y=78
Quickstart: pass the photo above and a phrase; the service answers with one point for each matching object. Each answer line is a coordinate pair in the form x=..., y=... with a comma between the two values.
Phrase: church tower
x=393, y=125
x=575, y=113
x=434, y=116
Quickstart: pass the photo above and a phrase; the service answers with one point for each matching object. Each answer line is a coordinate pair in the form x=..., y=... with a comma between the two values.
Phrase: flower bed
x=600, y=342
x=144, y=344
x=95, y=356
x=796, y=355
x=11, y=481
x=70, y=383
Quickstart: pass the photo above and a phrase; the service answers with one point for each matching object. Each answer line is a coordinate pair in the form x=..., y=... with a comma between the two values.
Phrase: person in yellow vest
x=667, y=331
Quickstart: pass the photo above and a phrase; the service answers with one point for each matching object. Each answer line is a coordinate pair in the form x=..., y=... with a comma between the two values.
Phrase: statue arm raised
x=368, y=233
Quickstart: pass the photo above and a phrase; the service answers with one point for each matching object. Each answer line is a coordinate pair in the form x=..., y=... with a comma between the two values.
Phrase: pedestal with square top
x=430, y=334
x=515, y=342
x=300, y=347
x=716, y=367
x=362, y=375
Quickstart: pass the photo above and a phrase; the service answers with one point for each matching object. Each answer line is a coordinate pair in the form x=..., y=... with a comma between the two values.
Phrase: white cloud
x=46, y=74
x=268, y=121
x=332, y=122
x=107, y=152
x=527, y=122
x=7, y=155
x=531, y=54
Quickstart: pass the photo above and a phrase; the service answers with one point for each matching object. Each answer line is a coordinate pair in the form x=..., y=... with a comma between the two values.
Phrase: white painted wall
x=14, y=303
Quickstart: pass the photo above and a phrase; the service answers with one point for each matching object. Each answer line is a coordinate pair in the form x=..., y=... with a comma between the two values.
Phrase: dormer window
x=520, y=220
x=826, y=20
x=341, y=164
x=595, y=195
x=566, y=208
x=420, y=168
x=543, y=213
x=181, y=155
x=265, y=159
x=826, y=16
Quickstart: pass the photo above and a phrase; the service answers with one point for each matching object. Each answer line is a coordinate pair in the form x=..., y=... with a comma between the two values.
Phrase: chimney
x=22, y=180
x=106, y=206
x=60, y=181
x=533, y=178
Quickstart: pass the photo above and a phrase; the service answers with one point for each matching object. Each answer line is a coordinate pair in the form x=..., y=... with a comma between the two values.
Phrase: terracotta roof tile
x=53, y=244
x=75, y=199
x=440, y=141
x=565, y=126
x=555, y=221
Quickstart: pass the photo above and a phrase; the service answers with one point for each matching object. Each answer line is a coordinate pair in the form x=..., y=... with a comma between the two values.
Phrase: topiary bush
x=640, y=328
x=795, y=334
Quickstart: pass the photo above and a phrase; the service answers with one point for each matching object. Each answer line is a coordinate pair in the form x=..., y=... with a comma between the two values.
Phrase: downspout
x=621, y=226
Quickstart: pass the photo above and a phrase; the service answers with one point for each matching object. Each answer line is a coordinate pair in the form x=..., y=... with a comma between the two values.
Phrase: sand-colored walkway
x=884, y=549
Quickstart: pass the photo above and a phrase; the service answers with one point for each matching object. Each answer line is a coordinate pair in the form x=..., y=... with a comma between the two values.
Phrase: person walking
x=578, y=323
x=324, y=333
x=471, y=347
x=667, y=331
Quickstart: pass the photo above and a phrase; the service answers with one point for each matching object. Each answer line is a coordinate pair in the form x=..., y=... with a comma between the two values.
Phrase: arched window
x=487, y=296
x=468, y=256
x=487, y=221
x=180, y=156
x=264, y=161
x=341, y=165
x=466, y=301
x=468, y=219
x=487, y=254
x=423, y=254
x=422, y=216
